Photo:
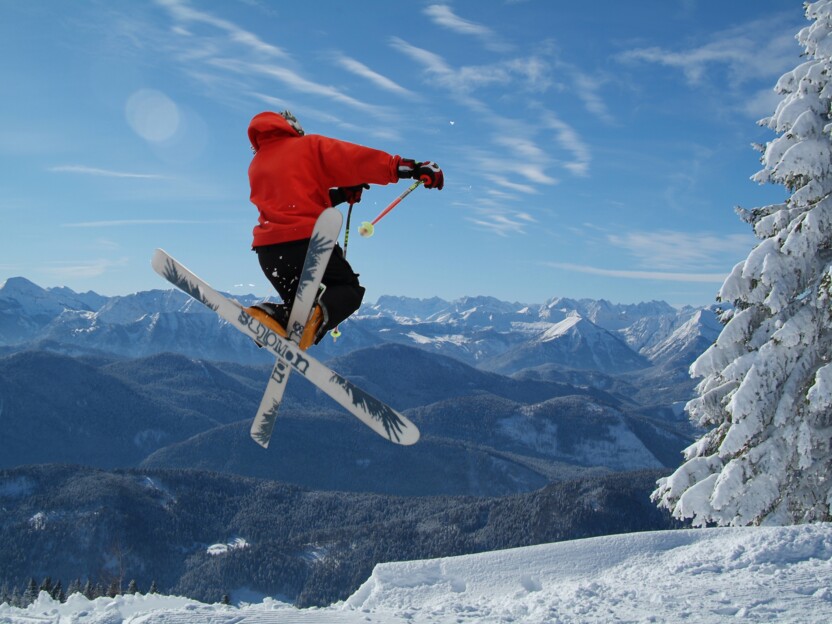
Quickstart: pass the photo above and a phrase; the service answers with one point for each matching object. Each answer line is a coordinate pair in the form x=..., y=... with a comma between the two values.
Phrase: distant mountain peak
x=482, y=331
x=568, y=325
x=19, y=286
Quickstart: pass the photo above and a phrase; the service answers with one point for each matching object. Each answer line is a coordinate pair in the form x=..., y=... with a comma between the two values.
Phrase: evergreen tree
x=46, y=585
x=58, y=592
x=114, y=589
x=89, y=590
x=153, y=589
x=31, y=593
x=132, y=587
x=766, y=394
x=75, y=587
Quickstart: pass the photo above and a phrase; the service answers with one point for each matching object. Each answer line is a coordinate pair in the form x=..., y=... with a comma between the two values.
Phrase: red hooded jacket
x=290, y=176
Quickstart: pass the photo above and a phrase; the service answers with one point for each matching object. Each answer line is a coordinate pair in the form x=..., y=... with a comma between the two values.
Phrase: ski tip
x=261, y=432
x=410, y=441
x=262, y=443
x=158, y=258
x=409, y=436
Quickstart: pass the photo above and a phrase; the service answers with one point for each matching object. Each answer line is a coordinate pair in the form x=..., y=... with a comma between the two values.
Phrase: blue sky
x=590, y=149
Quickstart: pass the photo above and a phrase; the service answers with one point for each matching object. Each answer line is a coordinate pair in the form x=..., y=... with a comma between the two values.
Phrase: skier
x=294, y=177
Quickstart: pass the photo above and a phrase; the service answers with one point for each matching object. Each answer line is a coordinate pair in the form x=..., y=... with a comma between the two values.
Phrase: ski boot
x=275, y=316
x=315, y=328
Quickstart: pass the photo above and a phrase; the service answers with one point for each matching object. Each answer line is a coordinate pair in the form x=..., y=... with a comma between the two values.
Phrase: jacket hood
x=268, y=123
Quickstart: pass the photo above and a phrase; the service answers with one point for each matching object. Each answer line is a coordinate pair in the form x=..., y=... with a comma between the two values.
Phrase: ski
x=323, y=240
x=378, y=416
x=320, y=248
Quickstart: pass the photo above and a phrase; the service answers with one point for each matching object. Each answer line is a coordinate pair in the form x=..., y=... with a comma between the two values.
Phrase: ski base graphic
x=378, y=416
x=321, y=244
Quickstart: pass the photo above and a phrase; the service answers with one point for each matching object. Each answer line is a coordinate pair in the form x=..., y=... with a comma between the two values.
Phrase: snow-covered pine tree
x=46, y=585
x=74, y=587
x=58, y=592
x=765, y=399
x=31, y=593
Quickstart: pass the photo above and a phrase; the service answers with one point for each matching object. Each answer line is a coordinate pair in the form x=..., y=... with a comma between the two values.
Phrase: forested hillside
x=70, y=523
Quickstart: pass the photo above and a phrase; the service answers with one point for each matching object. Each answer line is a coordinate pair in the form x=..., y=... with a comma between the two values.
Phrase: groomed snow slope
x=777, y=574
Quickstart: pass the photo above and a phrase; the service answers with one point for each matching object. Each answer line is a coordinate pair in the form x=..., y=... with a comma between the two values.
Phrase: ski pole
x=347, y=230
x=336, y=333
x=368, y=228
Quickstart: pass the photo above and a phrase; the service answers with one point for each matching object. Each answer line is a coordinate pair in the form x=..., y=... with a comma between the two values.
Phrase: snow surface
x=238, y=543
x=560, y=329
x=750, y=574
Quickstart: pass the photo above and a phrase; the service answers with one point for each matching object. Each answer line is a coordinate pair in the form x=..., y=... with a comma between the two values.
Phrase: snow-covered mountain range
x=505, y=337
x=584, y=384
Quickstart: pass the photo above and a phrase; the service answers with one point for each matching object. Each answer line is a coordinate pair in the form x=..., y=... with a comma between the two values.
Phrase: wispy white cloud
x=443, y=15
x=382, y=82
x=715, y=278
x=229, y=59
x=519, y=155
x=183, y=13
x=386, y=131
x=500, y=195
x=504, y=182
x=529, y=73
x=107, y=173
x=519, y=138
x=569, y=139
x=502, y=222
x=83, y=268
x=674, y=250
x=105, y=244
x=693, y=63
x=762, y=48
x=132, y=222
x=588, y=90
x=297, y=83
x=433, y=63
x=667, y=255
x=536, y=72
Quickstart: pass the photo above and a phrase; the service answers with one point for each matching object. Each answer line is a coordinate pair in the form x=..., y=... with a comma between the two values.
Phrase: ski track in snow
x=774, y=574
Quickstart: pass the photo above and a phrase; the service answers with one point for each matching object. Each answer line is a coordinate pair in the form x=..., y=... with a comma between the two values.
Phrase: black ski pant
x=282, y=265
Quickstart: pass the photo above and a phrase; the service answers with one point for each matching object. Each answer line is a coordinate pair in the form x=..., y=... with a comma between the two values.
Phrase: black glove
x=407, y=168
x=351, y=194
x=428, y=172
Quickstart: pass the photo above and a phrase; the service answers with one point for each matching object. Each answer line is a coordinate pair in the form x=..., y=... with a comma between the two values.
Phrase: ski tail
x=264, y=421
